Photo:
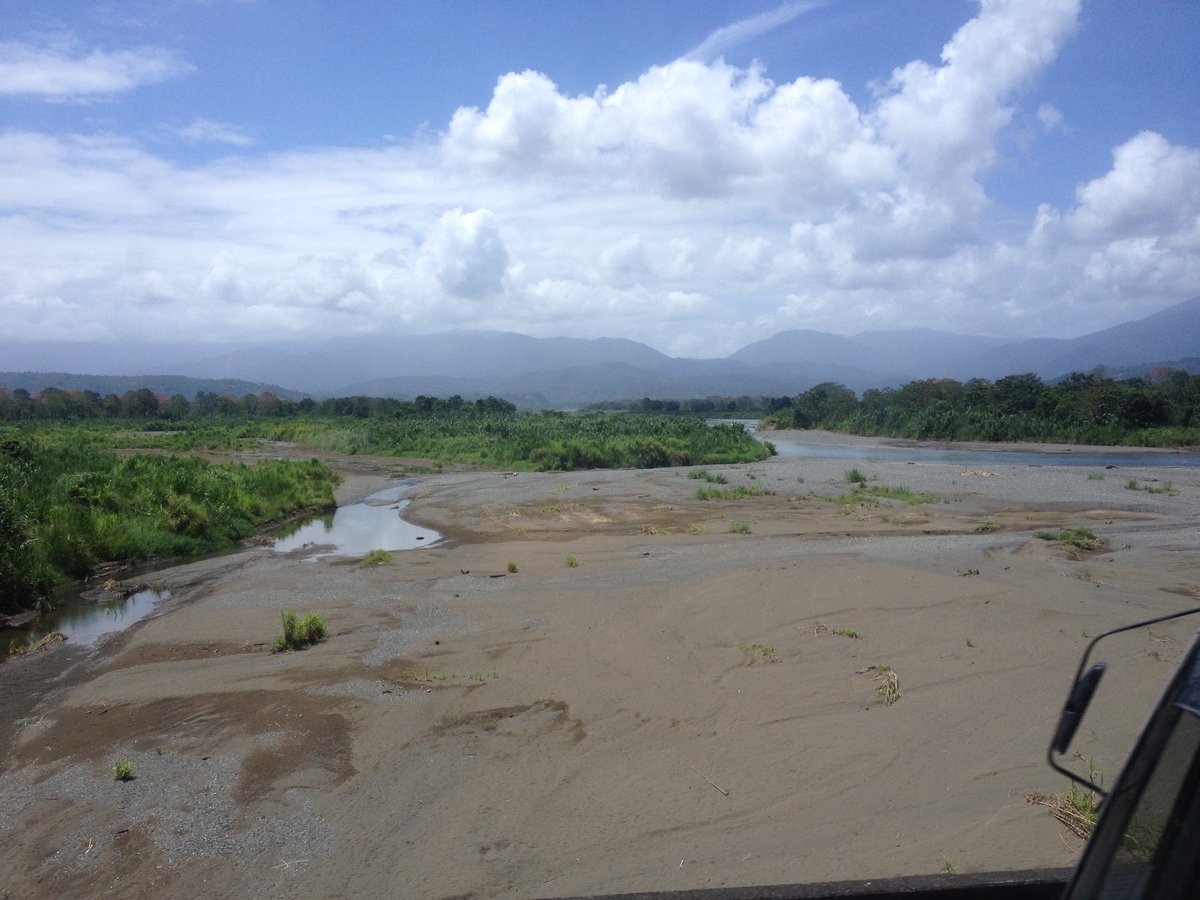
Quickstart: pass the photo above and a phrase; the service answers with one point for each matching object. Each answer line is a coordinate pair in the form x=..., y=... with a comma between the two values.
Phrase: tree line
x=1160, y=409
x=56, y=404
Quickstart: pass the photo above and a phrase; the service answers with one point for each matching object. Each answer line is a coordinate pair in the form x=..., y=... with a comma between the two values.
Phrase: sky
x=692, y=174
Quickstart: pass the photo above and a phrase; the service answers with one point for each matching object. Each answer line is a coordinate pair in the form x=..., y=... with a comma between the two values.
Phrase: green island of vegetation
x=487, y=432
x=69, y=501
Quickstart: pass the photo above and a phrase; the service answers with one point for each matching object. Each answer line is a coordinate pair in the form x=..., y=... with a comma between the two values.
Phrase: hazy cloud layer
x=57, y=71
x=696, y=208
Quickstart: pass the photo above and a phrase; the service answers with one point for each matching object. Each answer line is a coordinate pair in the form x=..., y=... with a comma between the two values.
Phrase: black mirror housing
x=1076, y=705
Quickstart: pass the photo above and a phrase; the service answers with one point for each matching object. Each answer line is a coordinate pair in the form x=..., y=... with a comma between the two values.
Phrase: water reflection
x=85, y=622
x=354, y=530
x=84, y=626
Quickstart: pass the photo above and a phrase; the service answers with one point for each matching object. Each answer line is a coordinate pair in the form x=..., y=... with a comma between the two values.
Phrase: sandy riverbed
x=674, y=712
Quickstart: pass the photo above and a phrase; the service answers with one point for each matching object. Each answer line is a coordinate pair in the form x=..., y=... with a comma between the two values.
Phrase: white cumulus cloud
x=944, y=119
x=1152, y=190
x=684, y=129
x=467, y=254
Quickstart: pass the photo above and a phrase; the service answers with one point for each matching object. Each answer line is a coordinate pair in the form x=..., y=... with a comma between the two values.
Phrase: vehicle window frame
x=1096, y=865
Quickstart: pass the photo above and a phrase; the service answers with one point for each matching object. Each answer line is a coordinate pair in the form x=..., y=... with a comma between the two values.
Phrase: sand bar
x=675, y=711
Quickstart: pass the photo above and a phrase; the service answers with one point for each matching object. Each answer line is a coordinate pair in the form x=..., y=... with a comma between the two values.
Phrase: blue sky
x=695, y=175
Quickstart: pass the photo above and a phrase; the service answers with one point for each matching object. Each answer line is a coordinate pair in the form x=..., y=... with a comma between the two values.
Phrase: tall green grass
x=65, y=508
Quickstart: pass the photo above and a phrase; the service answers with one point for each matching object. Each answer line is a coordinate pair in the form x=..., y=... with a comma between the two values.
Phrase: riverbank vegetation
x=66, y=507
x=545, y=441
x=488, y=432
x=1161, y=410
x=69, y=501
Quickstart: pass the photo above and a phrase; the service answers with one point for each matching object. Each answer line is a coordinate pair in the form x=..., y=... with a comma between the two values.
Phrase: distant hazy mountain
x=1172, y=334
x=581, y=385
x=575, y=372
x=334, y=365
x=890, y=355
x=93, y=357
x=1190, y=364
x=900, y=356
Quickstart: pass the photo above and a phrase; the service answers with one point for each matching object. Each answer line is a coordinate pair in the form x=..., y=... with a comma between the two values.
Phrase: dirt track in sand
x=666, y=715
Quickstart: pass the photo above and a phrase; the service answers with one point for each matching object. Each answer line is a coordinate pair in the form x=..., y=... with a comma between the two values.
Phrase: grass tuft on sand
x=1081, y=538
x=889, y=684
x=1075, y=808
x=299, y=633
x=758, y=650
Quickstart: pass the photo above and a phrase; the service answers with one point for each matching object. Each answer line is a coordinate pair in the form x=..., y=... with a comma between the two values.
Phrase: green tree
x=1018, y=393
x=177, y=408
x=824, y=405
x=139, y=404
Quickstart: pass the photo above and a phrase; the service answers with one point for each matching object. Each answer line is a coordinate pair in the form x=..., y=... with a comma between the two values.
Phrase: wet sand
x=674, y=712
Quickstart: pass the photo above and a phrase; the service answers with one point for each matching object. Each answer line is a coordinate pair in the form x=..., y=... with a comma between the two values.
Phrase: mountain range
x=571, y=372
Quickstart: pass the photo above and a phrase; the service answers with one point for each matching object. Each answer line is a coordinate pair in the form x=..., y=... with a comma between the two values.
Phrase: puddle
x=84, y=622
x=355, y=530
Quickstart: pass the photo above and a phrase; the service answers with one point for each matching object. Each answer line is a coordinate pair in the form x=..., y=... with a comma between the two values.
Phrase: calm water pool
x=358, y=528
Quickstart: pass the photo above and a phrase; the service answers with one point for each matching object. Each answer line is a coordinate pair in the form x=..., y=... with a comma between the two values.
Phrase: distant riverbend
x=855, y=448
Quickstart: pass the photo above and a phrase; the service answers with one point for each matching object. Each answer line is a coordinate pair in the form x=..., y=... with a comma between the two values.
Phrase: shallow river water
x=85, y=621
x=984, y=458
x=358, y=528
x=352, y=530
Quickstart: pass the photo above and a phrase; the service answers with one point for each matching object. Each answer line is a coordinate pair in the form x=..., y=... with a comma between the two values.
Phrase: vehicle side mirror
x=1076, y=706
x=1082, y=689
